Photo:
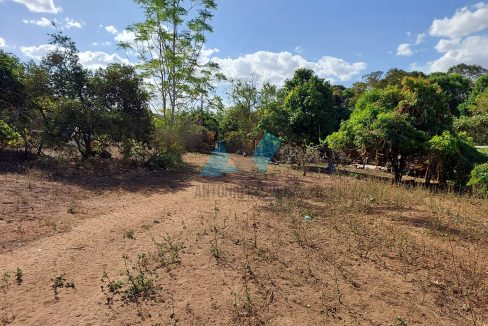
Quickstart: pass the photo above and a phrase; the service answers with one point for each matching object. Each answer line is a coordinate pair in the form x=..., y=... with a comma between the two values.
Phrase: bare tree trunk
x=398, y=167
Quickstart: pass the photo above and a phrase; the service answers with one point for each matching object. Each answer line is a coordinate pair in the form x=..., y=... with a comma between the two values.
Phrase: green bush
x=479, y=180
x=183, y=136
x=8, y=136
x=167, y=160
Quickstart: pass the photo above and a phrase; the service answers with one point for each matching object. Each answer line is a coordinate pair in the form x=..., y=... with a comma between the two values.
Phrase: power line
x=270, y=20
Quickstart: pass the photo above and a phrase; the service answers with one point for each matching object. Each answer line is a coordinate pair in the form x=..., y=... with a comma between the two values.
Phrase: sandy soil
x=242, y=260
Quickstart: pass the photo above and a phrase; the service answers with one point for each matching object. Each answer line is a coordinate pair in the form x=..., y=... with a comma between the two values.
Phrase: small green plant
x=216, y=252
x=72, y=209
x=401, y=322
x=140, y=284
x=60, y=282
x=255, y=226
x=129, y=234
x=19, y=276
x=214, y=248
x=114, y=288
x=168, y=251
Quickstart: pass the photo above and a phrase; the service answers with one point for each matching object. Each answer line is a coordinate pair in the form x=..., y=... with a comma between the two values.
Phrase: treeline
x=166, y=104
x=397, y=119
x=57, y=104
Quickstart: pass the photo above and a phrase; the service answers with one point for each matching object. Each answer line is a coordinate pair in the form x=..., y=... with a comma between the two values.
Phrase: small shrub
x=60, y=282
x=479, y=180
x=216, y=252
x=8, y=136
x=19, y=276
x=166, y=160
x=129, y=234
x=113, y=287
x=140, y=284
x=137, y=285
x=72, y=209
x=168, y=251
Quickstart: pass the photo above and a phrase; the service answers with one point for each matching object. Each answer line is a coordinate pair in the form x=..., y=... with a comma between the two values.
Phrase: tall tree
x=15, y=110
x=76, y=117
x=455, y=87
x=170, y=44
x=309, y=107
x=472, y=72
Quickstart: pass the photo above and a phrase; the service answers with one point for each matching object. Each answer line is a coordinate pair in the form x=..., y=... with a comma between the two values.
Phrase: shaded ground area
x=179, y=249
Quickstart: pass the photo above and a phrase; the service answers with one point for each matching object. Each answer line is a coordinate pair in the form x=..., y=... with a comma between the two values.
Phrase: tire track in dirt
x=82, y=254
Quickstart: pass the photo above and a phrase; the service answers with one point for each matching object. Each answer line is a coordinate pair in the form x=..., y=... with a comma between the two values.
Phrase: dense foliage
x=395, y=119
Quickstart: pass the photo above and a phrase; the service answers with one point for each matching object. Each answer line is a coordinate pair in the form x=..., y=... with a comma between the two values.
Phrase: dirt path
x=246, y=256
x=94, y=246
x=97, y=244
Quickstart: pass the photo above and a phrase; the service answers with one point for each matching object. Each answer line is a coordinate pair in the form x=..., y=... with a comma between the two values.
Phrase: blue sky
x=340, y=39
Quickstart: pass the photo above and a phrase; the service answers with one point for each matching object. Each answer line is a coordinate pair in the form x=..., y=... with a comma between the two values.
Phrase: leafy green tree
x=376, y=128
x=394, y=77
x=394, y=135
x=342, y=101
x=11, y=86
x=452, y=157
x=170, y=45
x=456, y=89
x=353, y=93
x=239, y=123
x=426, y=104
x=75, y=118
x=475, y=123
x=42, y=104
x=470, y=106
x=309, y=108
x=471, y=72
x=122, y=105
x=475, y=127
x=89, y=108
x=354, y=133
x=15, y=113
x=373, y=79
x=207, y=119
x=479, y=180
x=8, y=136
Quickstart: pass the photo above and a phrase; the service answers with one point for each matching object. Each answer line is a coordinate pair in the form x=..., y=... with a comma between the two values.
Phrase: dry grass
x=370, y=253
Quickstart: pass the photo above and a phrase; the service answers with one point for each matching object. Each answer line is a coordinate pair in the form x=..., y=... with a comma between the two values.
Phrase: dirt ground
x=121, y=245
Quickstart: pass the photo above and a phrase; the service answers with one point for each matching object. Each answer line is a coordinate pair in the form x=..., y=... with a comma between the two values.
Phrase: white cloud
x=404, y=49
x=37, y=52
x=98, y=59
x=464, y=22
x=460, y=44
x=43, y=22
x=111, y=29
x=126, y=37
x=276, y=67
x=3, y=43
x=107, y=43
x=420, y=38
x=207, y=54
x=89, y=59
x=471, y=50
x=40, y=6
x=71, y=23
